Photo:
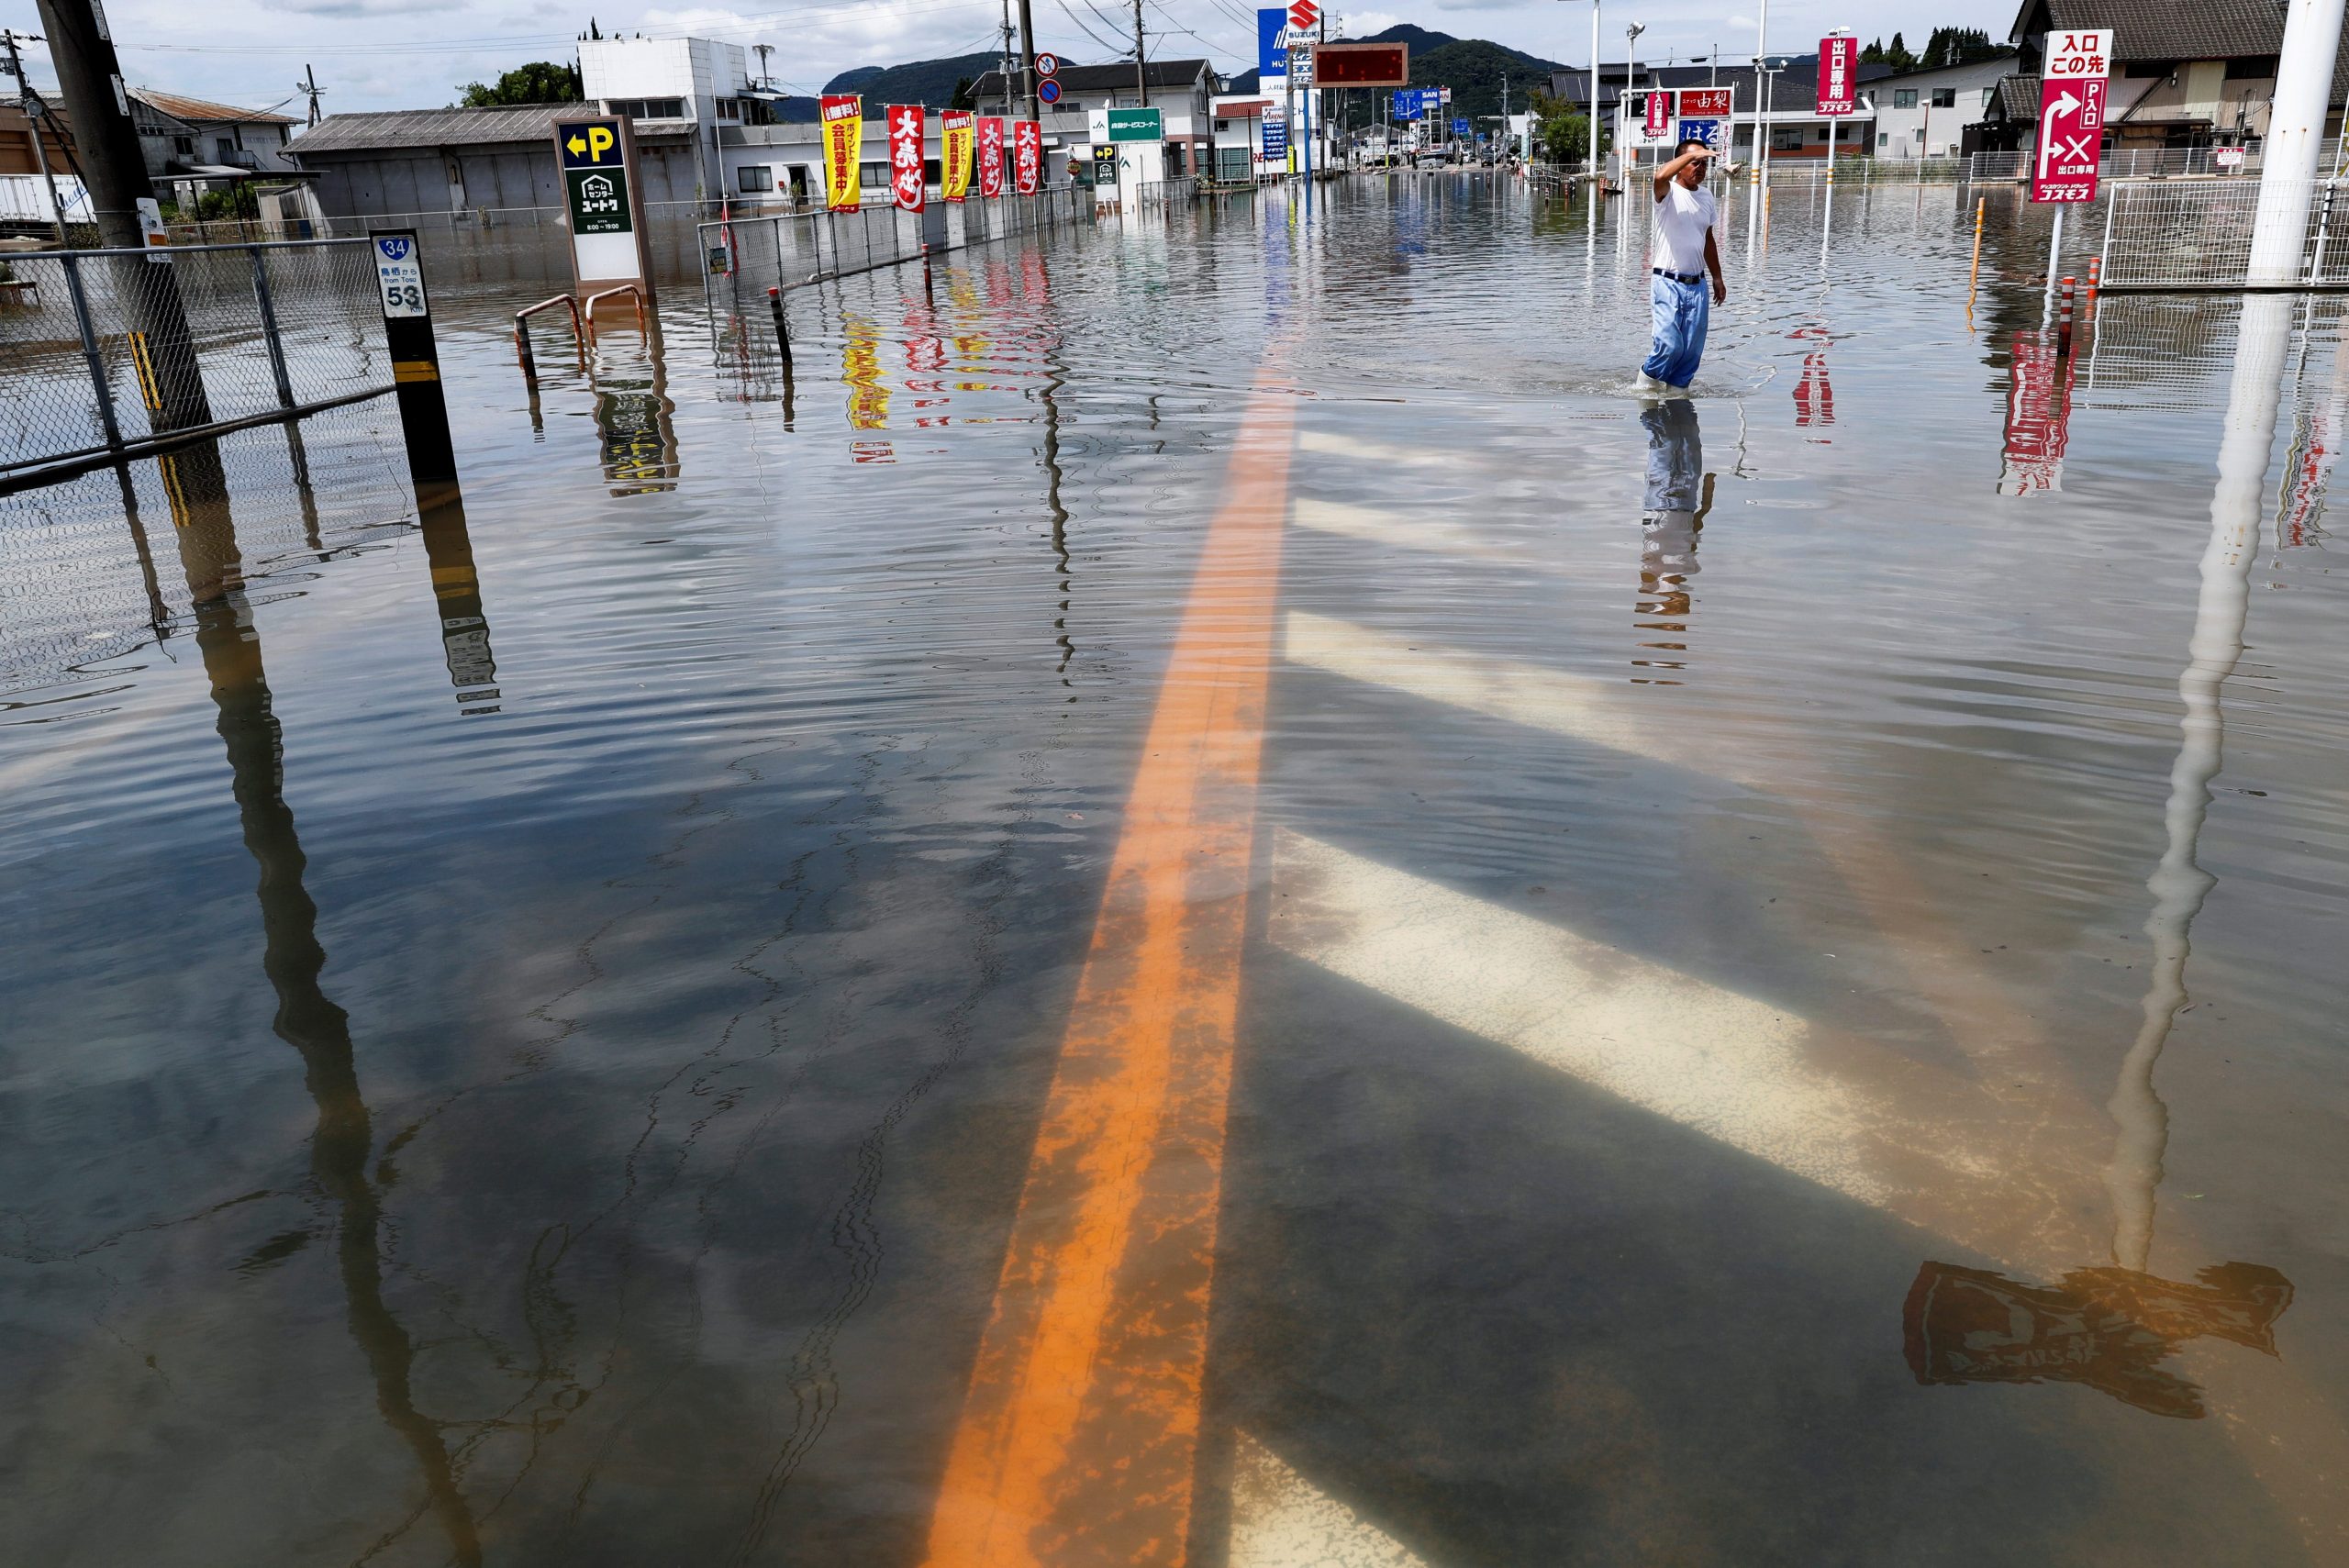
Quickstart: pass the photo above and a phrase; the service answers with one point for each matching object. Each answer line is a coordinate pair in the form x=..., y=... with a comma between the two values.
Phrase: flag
x=954, y=153
x=843, y=151
x=1027, y=156
x=990, y=158
x=906, y=186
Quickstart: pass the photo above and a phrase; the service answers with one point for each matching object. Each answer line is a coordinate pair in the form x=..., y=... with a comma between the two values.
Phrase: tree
x=540, y=82
x=963, y=97
x=1562, y=131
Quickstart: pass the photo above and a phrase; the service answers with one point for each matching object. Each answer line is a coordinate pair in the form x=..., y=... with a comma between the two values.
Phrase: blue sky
x=386, y=54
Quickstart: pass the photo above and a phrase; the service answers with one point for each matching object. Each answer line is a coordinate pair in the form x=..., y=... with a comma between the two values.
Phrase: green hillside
x=930, y=81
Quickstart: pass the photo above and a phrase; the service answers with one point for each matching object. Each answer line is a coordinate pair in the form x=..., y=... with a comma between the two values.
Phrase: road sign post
x=604, y=204
x=2079, y=61
x=1839, y=62
x=415, y=355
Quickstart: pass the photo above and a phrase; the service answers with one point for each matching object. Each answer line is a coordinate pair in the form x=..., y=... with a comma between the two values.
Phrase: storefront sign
x=1027, y=156
x=990, y=139
x=843, y=151
x=954, y=153
x=906, y=187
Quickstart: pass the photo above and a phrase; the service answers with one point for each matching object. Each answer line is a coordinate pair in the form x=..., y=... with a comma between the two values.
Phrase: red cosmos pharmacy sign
x=1839, y=75
x=2071, y=115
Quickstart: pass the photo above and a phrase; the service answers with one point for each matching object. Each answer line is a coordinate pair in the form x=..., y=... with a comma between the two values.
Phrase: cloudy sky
x=388, y=55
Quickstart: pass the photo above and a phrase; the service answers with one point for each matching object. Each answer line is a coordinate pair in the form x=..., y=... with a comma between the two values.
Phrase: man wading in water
x=1683, y=254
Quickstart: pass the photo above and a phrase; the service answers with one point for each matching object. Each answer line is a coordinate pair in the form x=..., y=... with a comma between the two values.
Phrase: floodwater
x=1195, y=900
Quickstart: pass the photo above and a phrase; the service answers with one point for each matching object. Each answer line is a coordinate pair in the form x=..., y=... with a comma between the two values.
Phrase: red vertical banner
x=1027, y=156
x=906, y=187
x=1659, y=116
x=1839, y=75
x=990, y=158
x=2071, y=115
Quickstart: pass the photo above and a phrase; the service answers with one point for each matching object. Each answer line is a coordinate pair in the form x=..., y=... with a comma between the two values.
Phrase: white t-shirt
x=1681, y=219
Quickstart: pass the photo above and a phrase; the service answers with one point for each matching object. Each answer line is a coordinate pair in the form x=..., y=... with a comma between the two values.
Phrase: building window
x=1884, y=139
x=184, y=146
x=1989, y=96
x=649, y=108
x=2252, y=68
x=726, y=110
x=755, y=177
x=225, y=146
x=1945, y=97
x=1789, y=138
x=1904, y=97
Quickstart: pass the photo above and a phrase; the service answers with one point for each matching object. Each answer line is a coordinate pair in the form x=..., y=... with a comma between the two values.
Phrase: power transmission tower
x=309, y=83
x=34, y=113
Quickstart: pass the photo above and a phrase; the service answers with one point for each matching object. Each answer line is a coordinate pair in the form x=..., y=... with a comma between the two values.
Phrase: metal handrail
x=587, y=305
x=522, y=331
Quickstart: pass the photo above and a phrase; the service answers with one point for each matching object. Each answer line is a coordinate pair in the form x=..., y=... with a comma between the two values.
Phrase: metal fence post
x=269, y=328
x=72, y=265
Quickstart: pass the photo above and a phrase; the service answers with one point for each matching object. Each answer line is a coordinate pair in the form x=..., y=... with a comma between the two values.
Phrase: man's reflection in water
x=1679, y=494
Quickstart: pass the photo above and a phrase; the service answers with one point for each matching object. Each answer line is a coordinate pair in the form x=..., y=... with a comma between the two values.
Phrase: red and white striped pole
x=2064, y=321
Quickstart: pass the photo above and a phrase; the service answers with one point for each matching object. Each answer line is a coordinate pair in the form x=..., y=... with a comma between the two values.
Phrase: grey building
x=453, y=160
x=1923, y=113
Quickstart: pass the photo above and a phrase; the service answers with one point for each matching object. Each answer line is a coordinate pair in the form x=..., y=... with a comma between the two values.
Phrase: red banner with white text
x=1027, y=156
x=906, y=187
x=990, y=158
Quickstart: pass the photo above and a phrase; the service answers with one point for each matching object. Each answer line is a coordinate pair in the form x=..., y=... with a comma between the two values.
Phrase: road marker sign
x=1048, y=64
x=2071, y=115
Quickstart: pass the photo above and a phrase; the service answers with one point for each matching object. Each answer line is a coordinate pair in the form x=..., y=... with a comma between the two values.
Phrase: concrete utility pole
x=309, y=83
x=114, y=172
x=2295, y=134
x=33, y=117
x=1027, y=61
x=1141, y=64
x=766, y=77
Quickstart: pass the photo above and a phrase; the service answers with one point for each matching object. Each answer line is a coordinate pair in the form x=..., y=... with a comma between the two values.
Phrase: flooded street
x=1196, y=899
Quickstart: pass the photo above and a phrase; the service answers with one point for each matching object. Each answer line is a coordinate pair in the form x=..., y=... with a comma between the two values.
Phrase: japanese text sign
x=1839, y=81
x=1659, y=116
x=1027, y=156
x=2071, y=135
x=954, y=153
x=991, y=158
x=2079, y=54
x=1711, y=103
x=906, y=187
x=843, y=116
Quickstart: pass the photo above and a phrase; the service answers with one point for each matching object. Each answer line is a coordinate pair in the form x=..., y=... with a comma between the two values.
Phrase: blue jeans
x=1682, y=312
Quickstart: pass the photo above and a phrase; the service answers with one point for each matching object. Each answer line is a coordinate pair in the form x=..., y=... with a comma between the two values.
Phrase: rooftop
x=445, y=127
x=180, y=106
x=1165, y=73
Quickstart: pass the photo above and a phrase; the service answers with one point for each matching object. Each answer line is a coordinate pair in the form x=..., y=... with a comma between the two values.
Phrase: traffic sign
x=1135, y=125
x=1839, y=75
x=1706, y=130
x=1303, y=14
x=1049, y=91
x=2071, y=115
x=588, y=144
x=1459, y=125
x=1047, y=66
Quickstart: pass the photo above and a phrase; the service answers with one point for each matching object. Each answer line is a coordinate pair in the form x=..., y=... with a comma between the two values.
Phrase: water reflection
x=2039, y=397
x=307, y=1018
x=1679, y=494
x=2108, y=1328
x=456, y=590
x=636, y=426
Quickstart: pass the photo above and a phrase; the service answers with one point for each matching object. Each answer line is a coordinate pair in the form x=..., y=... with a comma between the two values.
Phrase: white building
x=1923, y=113
x=665, y=85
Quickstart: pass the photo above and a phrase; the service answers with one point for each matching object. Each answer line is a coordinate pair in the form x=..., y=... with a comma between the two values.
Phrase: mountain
x=928, y=82
x=1417, y=38
x=1474, y=69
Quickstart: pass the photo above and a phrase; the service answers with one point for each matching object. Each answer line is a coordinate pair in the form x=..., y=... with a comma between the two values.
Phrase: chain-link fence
x=1177, y=192
x=102, y=350
x=98, y=566
x=2146, y=163
x=745, y=257
x=2198, y=235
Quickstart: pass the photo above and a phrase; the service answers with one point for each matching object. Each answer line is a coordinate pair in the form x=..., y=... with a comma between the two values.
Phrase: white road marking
x=1580, y=705
x=1280, y=1519
x=1405, y=530
x=1329, y=443
x=1726, y=1065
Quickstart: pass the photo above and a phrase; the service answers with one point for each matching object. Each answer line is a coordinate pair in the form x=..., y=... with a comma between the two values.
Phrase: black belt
x=1678, y=277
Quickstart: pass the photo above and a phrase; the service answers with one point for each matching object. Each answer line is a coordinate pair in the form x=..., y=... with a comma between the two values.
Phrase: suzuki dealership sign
x=2071, y=115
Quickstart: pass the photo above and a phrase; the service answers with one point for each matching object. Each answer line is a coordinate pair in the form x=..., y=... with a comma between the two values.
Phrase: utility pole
x=33, y=117
x=114, y=172
x=1141, y=65
x=309, y=83
x=1028, y=60
x=1007, y=99
x=2295, y=133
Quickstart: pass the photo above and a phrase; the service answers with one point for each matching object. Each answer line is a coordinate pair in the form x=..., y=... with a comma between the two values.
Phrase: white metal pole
x=2295, y=140
x=2054, y=251
x=1761, y=122
x=1594, y=109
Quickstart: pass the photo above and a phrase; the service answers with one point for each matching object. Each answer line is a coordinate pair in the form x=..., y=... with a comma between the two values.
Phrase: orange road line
x=1079, y=1431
